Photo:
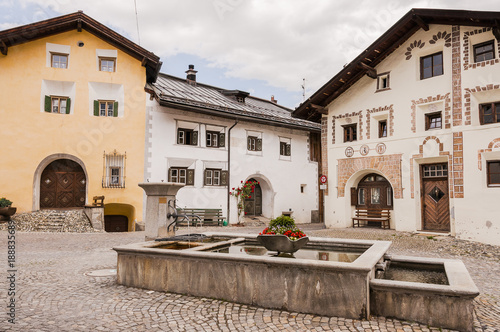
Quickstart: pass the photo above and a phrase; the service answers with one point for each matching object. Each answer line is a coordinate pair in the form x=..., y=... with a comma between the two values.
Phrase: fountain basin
x=448, y=306
x=300, y=285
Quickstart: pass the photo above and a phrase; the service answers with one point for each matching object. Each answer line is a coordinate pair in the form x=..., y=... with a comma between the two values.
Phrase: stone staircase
x=54, y=222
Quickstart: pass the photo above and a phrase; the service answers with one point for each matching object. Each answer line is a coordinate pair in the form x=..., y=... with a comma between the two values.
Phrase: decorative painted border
x=441, y=35
x=495, y=144
x=467, y=94
x=324, y=148
x=447, y=109
x=421, y=155
x=380, y=109
x=348, y=115
x=415, y=44
x=467, y=50
x=389, y=166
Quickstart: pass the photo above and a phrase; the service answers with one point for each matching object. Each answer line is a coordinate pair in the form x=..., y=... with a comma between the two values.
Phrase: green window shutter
x=223, y=178
x=115, y=109
x=190, y=177
x=288, y=151
x=258, y=146
x=222, y=140
x=96, y=107
x=195, y=138
x=249, y=145
x=48, y=105
x=68, y=105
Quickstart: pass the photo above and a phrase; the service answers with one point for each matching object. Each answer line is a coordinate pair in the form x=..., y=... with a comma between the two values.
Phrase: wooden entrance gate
x=62, y=185
x=435, y=198
x=253, y=205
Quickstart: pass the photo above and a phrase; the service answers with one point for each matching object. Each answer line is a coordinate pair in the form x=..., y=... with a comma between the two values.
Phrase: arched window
x=373, y=191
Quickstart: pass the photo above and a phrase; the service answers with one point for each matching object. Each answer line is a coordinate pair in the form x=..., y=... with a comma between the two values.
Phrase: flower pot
x=6, y=212
x=281, y=243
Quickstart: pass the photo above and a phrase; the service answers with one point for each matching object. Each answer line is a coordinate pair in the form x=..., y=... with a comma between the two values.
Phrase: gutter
x=229, y=167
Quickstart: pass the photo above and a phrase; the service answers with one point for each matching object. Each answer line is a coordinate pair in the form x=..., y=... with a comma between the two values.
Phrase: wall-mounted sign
x=380, y=148
x=364, y=149
x=349, y=152
x=323, y=179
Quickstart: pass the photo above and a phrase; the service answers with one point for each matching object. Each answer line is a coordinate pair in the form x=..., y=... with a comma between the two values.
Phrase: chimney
x=191, y=74
x=273, y=100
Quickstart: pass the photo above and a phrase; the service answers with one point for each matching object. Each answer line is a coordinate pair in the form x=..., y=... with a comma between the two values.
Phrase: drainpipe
x=229, y=167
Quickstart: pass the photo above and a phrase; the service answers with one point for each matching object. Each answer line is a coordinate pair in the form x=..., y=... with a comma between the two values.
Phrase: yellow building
x=72, y=116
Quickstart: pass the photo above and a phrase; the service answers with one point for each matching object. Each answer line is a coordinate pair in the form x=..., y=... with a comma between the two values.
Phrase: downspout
x=229, y=168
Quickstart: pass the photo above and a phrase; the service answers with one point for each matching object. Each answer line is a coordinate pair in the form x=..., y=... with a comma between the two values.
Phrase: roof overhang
x=364, y=64
x=79, y=21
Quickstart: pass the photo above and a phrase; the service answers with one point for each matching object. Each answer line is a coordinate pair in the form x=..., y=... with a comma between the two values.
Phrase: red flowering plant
x=283, y=225
x=244, y=191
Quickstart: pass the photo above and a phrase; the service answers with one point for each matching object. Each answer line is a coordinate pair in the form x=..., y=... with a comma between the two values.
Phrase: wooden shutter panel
x=288, y=151
x=205, y=177
x=190, y=177
x=248, y=144
x=169, y=175
x=96, y=107
x=115, y=109
x=354, y=196
x=48, y=105
x=223, y=178
x=68, y=105
x=195, y=138
x=258, y=146
x=222, y=140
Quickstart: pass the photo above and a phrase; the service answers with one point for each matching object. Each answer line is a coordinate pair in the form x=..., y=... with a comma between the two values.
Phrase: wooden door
x=435, y=201
x=62, y=185
x=115, y=223
x=253, y=205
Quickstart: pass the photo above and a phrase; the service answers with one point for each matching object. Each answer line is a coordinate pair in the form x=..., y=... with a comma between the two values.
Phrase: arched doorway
x=373, y=192
x=253, y=205
x=62, y=185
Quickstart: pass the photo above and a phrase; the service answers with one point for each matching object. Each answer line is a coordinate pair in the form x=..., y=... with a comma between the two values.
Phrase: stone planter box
x=282, y=243
x=6, y=213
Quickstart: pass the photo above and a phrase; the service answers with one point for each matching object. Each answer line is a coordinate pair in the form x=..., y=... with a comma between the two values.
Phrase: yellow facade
x=31, y=137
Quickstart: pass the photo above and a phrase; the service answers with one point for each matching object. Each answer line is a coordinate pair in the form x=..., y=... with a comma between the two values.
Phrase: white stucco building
x=413, y=125
x=211, y=139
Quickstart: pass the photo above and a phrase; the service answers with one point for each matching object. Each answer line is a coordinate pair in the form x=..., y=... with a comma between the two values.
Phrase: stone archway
x=37, y=177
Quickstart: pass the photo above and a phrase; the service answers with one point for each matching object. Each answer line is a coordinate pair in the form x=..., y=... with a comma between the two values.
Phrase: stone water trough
x=330, y=277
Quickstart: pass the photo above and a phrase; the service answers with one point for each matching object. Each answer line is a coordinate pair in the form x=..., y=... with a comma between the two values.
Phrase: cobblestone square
x=66, y=282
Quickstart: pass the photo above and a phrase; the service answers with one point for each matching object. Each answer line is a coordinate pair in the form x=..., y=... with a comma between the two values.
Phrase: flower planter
x=282, y=243
x=6, y=212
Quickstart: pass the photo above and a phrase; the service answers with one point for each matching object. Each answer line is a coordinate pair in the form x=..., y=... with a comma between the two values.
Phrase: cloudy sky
x=265, y=47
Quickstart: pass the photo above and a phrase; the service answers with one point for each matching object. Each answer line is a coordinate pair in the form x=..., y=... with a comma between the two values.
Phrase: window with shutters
x=187, y=136
x=350, y=132
x=114, y=170
x=215, y=139
x=285, y=148
x=181, y=175
x=215, y=177
x=55, y=104
x=106, y=108
x=489, y=113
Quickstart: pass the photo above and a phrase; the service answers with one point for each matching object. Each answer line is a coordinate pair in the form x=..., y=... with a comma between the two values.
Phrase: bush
x=5, y=202
x=283, y=225
x=282, y=221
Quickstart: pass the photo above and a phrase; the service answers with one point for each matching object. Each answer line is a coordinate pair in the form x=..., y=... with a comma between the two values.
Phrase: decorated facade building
x=412, y=125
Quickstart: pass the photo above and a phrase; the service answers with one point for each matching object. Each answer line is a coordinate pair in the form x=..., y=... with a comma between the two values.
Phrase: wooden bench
x=200, y=217
x=382, y=216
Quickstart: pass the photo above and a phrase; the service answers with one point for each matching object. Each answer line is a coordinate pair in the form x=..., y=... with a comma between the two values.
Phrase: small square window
x=433, y=121
x=107, y=64
x=431, y=65
x=493, y=169
x=350, y=132
x=59, y=60
x=254, y=143
x=382, y=128
x=383, y=82
x=107, y=108
x=489, y=113
x=187, y=136
x=285, y=149
x=484, y=51
x=212, y=139
x=59, y=105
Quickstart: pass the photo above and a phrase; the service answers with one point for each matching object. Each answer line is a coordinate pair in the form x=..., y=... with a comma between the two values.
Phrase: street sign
x=323, y=179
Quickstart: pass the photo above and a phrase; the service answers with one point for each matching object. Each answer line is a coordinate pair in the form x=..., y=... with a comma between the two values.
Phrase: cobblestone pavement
x=54, y=293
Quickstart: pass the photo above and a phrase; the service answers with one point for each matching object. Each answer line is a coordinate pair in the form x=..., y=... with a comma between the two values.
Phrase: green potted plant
x=282, y=235
x=5, y=209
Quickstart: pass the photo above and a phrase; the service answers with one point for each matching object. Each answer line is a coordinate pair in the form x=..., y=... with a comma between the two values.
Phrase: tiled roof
x=176, y=92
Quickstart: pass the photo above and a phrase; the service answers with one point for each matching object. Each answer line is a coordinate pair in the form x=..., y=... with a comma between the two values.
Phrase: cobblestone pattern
x=54, y=294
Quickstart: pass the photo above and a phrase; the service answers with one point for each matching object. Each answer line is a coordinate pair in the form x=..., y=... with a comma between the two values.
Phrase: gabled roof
x=79, y=21
x=174, y=92
x=398, y=34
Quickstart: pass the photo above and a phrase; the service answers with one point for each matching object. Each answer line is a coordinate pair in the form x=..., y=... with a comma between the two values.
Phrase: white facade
x=462, y=144
x=288, y=183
